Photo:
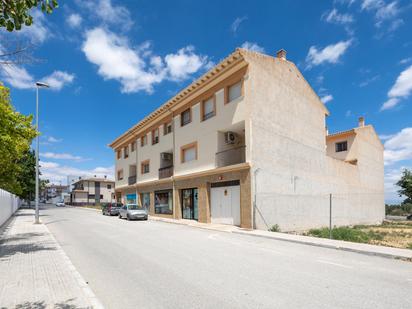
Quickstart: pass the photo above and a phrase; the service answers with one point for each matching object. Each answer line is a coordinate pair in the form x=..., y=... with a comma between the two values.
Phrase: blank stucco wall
x=294, y=174
x=9, y=203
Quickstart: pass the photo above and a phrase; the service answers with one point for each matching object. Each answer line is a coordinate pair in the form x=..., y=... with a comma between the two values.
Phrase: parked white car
x=133, y=211
x=60, y=204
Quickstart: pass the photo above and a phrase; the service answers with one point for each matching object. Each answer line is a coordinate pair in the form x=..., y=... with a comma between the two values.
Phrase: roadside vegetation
x=396, y=234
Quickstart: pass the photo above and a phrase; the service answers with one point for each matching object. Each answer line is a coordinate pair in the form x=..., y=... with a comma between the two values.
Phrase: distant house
x=92, y=191
x=246, y=144
x=53, y=193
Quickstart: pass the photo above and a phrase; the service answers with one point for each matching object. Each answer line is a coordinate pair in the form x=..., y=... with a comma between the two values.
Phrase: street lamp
x=38, y=85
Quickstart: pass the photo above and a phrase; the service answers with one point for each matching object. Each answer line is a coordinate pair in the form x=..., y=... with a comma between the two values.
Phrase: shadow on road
x=20, y=237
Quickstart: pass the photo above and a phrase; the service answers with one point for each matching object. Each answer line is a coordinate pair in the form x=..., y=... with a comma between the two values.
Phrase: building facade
x=92, y=191
x=246, y=144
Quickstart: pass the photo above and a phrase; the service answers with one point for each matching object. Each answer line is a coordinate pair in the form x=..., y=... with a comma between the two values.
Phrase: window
x=185, y=117
x=164, y=202
x=341, y=146
x=119, y=154
x=145, y=200
x=91, y=196
x=167, y=128
x=234, y=91
x=143, y=140
x=188, y=152
x=208, y=108
x=145, y=167
x=133, y=146
x=155, y=136
x=109, y=187
x=126, y=152
x=120, y=175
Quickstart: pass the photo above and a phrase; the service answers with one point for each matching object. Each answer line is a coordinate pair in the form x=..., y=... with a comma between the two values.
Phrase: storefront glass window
x=146, y=200
x=164, y=202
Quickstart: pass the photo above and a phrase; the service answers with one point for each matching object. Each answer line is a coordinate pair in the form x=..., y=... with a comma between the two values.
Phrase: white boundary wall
x=9, y=203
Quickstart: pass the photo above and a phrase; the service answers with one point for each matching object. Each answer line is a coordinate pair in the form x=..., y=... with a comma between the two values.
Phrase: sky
x=109, y=63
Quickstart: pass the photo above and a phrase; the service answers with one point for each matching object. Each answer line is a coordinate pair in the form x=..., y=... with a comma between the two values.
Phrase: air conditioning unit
x=166, y=156
x=231, y=137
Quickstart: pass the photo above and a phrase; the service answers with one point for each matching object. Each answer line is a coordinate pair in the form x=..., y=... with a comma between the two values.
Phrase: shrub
x=409, y=246
x=346, y=233
x=274, y=228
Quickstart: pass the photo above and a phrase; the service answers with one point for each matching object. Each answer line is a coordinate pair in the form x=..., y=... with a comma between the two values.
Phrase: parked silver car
x=133, y=211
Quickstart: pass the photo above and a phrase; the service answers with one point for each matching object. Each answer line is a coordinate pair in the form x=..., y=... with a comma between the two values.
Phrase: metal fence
x=9, y=203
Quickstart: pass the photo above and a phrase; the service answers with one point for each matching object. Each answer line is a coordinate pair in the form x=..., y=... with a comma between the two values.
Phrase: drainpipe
x=256, y=171
x=174, y=160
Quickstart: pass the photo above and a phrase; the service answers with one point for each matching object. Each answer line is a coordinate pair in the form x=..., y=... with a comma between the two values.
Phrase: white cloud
x=405, y=60
x=131, y=67
x=392, y=176
x=399, y=147
x=253, y=47
x=369, y=80
x=326, y=98
x=52, y=139
x=384, y=13
x=335, y=17
x=59, y=173
x=17, y=77
x=400, y=90
x=109, y=14
x=184, y=63
x=39, y=31
x=236, y=23
x=74, y=20
x=329, y=54
x=60, y=156
x=58, y=79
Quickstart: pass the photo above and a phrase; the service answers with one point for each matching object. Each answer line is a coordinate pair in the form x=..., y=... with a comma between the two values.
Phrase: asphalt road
x=147, y=264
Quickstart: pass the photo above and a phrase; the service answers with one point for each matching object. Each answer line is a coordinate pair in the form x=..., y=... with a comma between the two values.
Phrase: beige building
x=92, y=191
x=246, y=144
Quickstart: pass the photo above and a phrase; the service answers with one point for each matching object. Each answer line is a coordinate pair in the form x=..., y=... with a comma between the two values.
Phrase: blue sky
x=110, y=63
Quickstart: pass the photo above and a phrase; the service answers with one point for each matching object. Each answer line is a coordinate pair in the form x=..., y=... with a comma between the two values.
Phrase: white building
x=246, y=144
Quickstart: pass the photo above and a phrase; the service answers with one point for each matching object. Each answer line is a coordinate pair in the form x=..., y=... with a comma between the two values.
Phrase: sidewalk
x=34, y=270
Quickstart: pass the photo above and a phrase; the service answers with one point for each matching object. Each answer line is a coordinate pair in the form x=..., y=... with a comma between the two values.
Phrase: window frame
x=119, y=154
x=165, y=128
x=190, y=117
x=241, y=81
x=170, y=198
x=202, y=108
x=154, y=141
x=142, y=164
x=118, y=173
x=186, y=147
x=126, y=152
x=339, y=146
x=132, y=146
x=143, y=140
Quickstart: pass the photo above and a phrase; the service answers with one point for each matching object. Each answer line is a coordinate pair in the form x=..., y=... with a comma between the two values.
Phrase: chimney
x=361, y=122
x=94, y=176
x=281, y=54
x=105, y=176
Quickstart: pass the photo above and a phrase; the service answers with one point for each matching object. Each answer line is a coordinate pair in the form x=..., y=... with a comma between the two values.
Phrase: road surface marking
x=334, y=264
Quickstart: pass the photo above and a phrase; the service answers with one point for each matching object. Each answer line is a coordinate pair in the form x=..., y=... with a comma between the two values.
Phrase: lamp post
x=38, y=85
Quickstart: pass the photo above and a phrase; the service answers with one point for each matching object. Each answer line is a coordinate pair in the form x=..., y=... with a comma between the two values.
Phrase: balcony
x=165, y=172
x=230, y=156
x=131, y=180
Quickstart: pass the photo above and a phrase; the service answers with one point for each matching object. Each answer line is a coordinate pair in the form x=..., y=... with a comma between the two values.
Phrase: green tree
x=26, y=177
x=16, y=135
x=15, y=13
x=405, y=184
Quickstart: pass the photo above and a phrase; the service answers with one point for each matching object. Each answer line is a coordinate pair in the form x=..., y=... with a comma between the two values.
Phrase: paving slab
x=35, y=272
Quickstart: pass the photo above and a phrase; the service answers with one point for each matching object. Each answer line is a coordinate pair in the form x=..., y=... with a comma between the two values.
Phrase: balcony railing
x=132, y=180
x=230, y=156
x=165, y=172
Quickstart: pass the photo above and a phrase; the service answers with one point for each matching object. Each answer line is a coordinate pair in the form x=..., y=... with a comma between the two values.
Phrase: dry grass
x=396, y=234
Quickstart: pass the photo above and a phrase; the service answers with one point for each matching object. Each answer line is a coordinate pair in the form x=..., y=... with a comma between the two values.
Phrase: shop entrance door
x=190, y=204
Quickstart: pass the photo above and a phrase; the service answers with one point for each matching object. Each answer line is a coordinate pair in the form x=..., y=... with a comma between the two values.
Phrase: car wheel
x=128, y=218
x=120, y=216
